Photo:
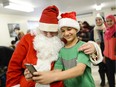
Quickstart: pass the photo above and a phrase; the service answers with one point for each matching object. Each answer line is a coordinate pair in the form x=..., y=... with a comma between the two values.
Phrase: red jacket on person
x=110, y=48
x=24, y=53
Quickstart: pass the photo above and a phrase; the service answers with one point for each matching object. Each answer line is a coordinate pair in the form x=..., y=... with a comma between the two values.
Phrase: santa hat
x=48, y=20
x=69, y=19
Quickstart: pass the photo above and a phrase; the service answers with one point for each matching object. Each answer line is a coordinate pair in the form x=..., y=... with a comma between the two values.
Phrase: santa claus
x=41, y=50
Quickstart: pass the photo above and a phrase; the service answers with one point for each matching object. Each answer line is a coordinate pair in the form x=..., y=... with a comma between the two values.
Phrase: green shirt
x=70, y=57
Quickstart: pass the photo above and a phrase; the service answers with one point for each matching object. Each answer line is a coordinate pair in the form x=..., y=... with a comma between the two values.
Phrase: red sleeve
x=15, y=68
x=57, y=84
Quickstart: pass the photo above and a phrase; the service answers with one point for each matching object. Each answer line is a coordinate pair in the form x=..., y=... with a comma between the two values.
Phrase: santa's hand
x=43, y=77
x=88, y=48
x=27, y=75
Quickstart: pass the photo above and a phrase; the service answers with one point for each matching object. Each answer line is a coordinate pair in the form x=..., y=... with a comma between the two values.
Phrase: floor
x=97, y=77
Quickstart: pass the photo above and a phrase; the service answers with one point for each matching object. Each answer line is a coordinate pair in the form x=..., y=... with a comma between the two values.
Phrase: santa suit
x=24, y=53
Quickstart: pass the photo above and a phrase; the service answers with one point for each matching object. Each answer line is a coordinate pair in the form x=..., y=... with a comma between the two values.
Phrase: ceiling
x=80, y=6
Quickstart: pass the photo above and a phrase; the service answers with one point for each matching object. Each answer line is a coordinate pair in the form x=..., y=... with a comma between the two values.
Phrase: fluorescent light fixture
x=98, y=7
x=19, y=7
x=85, y=14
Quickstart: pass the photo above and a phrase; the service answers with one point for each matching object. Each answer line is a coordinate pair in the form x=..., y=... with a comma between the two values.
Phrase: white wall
x=5, y=38
x=91, y=18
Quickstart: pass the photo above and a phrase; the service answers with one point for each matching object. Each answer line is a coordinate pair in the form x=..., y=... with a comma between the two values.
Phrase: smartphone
x=31, y=68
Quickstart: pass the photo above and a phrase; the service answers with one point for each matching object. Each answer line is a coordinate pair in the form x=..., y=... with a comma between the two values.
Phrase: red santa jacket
x=24, y=53
x=110, y=48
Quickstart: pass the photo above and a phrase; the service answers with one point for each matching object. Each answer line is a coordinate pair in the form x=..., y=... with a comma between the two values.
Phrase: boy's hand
x=44, y=77
x=27, y=75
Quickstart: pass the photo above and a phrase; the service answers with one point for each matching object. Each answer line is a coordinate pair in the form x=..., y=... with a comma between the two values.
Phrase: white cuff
x=18, y=85
x=99, y=54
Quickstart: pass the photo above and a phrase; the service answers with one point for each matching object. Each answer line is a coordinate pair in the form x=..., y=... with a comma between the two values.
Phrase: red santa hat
x=48, y=20
x=69, y=19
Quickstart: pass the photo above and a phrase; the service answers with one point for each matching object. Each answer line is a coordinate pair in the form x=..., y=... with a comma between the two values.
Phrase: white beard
x=47, y=49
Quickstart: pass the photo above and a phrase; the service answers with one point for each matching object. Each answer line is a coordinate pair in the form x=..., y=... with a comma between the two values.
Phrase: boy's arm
x=57, y=75
x=70, y=73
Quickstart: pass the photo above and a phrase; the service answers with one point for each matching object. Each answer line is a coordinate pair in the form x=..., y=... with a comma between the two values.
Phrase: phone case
x=31, y=68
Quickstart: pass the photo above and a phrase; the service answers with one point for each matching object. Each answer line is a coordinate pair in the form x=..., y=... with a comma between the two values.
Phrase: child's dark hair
x=16, y=28
x=13, y=42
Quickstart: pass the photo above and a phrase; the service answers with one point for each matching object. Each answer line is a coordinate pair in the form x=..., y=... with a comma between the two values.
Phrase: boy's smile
x=69, y=33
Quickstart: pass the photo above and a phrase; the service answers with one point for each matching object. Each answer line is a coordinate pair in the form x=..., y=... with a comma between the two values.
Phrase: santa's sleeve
x=18, y=85
x=96, y=58
x=15, y=70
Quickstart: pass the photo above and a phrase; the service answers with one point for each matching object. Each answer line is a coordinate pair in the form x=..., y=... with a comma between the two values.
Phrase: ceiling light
x=98, y=7
x=19, y=7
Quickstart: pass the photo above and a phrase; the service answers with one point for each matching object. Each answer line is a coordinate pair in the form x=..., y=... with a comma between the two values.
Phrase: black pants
x=102, y=72
x=111, y=71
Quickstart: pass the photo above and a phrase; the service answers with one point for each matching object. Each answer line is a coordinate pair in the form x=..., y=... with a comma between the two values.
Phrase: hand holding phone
x=31, y=68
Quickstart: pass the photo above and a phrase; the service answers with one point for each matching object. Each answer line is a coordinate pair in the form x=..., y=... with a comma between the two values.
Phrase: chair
x=5, y=56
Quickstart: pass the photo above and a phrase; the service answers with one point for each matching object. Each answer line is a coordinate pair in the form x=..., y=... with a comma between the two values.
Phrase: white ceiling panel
x=80, y=6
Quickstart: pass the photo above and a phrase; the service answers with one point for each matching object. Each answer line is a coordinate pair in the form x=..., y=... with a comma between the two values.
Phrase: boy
x=73, y=67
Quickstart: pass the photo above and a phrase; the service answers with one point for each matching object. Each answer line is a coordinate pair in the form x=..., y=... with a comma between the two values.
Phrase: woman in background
x=99, y=30
x=110, y=48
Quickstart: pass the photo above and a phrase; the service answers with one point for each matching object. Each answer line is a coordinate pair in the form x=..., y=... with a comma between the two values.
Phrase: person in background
x=20, y=35
x=110, y=49
x=72, y=66
x=84, y=32
x=42, y=45
x=16, y=30
x=29, y=30
x=98, y=31
x=12, y=44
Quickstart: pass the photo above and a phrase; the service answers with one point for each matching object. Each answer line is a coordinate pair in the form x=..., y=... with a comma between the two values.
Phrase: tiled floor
x=97, y=77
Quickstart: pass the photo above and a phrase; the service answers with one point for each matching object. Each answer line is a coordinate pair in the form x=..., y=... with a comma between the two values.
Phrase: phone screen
x=31, y=68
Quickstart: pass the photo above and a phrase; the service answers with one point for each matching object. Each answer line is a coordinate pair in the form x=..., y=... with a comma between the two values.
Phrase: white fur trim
x=18, y=85
x=43, y=65
x=69, y=22
x=40, y=85
x=99, y=54
x=48, y=27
